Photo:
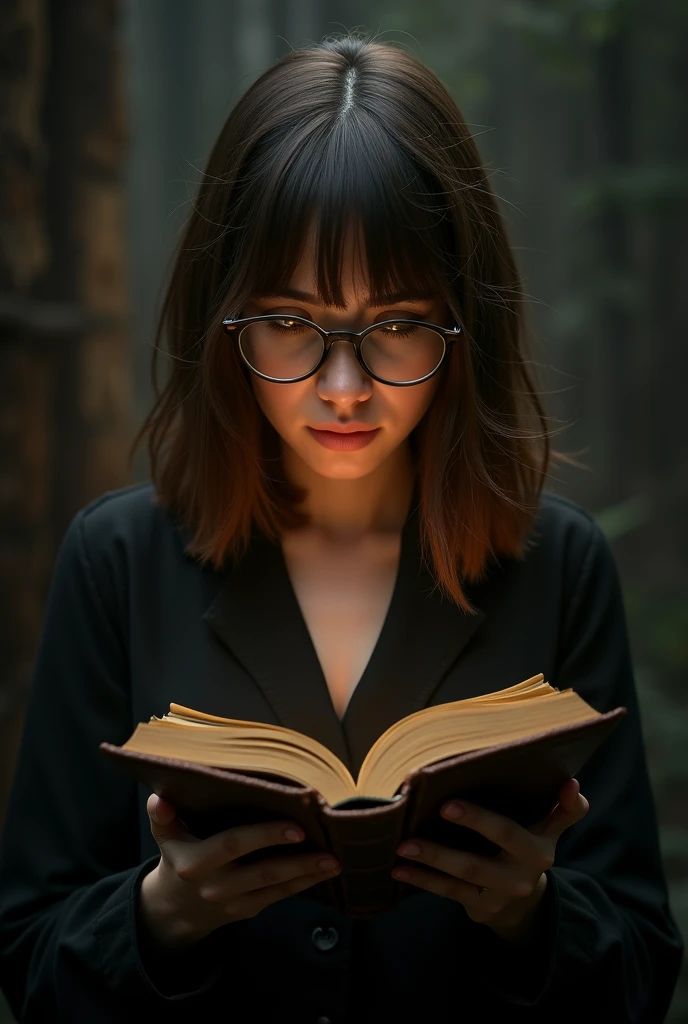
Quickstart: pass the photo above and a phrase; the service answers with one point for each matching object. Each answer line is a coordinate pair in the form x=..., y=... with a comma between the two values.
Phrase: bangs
x=348, y=177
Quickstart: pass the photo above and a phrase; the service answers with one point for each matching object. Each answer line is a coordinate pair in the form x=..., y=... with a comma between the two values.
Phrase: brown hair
x=350, y=128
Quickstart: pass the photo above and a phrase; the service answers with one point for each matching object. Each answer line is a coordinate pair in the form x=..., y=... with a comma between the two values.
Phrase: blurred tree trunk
x=84, y=125
x=24, y=369
x=64, y=360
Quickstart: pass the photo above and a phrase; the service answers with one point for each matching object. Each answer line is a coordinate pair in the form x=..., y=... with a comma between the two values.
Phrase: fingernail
x=453, y=811
x=409, y=849
x=325, y=863
x=293, y=835
x=154, y=810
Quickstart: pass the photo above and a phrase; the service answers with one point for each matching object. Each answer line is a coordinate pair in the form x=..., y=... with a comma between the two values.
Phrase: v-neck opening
x=256, y=616
x=388, y=624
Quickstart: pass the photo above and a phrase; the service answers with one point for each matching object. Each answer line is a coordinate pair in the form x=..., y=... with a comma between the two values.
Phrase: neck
x=344, y=511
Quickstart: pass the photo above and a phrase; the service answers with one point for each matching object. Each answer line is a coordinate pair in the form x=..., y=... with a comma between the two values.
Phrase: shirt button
x=324, y=939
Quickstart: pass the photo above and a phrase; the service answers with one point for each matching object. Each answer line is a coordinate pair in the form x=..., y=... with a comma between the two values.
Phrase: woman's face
x=341, y=392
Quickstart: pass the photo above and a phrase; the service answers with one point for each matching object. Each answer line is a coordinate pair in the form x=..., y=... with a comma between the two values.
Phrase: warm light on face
x=341, y=393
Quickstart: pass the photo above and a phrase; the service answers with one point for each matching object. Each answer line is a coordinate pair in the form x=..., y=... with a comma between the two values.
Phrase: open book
x=509, y=750
x=429, y=735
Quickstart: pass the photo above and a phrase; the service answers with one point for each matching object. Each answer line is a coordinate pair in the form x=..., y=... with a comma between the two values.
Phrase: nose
x=341, y=378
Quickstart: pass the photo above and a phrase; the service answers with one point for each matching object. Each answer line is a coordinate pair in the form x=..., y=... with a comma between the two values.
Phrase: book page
x=455, y=728
x=251, y=746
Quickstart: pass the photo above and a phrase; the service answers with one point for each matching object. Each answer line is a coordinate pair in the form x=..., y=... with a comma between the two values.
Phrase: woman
x=346, y=523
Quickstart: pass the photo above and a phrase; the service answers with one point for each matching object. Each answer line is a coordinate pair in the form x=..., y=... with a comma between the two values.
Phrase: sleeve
x=608, y=947
x=70, y=948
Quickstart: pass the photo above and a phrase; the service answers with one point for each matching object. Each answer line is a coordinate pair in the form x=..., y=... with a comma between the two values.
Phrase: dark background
x=580, y=109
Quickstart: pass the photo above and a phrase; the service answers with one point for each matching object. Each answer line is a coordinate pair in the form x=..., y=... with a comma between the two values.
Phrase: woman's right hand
x=196, y=887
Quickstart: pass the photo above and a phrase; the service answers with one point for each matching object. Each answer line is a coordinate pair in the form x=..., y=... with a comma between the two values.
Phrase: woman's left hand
x=501, y=891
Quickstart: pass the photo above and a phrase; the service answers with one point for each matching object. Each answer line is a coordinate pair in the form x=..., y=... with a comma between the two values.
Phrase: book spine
x=365, y=844
x=414, y=789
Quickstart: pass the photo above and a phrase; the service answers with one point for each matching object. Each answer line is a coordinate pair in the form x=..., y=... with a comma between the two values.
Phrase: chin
x=337, y=469
x=334, y=465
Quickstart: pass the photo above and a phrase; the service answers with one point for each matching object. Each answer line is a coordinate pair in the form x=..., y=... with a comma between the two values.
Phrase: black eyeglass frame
x=449, y=337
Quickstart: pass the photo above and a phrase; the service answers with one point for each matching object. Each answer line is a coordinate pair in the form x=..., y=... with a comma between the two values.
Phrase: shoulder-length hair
x=350, y=130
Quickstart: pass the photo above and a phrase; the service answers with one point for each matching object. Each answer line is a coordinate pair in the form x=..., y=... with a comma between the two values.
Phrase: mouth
x=349, y=428
x=339, y=440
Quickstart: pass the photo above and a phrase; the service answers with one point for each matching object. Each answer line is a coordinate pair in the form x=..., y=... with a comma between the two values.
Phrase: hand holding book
x=502, y=892
x=196, y=887
x=509, y=752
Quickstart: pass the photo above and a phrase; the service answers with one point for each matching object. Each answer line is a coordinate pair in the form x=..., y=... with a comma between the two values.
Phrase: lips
x=343, y=440
x=352, y=429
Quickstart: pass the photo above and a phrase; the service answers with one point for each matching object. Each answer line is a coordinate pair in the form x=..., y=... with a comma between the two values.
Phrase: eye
x=398, y=330
x=286, y=326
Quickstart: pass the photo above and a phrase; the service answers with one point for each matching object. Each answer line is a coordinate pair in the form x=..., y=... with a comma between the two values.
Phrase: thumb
x=571, y=808
x=164, y=822
x=159, y=809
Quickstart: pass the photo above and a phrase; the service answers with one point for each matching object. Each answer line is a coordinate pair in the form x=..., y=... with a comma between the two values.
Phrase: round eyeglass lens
x=286, y=349
x=401, y=353
x=281, y=348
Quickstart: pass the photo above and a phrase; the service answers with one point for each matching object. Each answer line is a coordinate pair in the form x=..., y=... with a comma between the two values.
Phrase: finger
x=244, y=878
x=165, y=825
x=225, y=847
x=451, y=888
x=502, y=831
x=562, y=817
x=491, y=873
x=160, y=810
x=253, y=902
x=568, y=793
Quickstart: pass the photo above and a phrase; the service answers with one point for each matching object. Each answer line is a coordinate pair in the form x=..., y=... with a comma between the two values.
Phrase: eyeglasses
x=287, y=349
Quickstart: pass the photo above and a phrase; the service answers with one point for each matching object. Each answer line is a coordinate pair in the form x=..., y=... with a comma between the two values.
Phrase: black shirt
x=133, y=623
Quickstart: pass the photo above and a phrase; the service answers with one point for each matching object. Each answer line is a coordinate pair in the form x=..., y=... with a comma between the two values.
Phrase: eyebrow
x=295, y=293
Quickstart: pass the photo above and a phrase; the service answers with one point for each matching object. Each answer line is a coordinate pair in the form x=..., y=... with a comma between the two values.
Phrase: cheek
x=411, y=404
x=278, y=402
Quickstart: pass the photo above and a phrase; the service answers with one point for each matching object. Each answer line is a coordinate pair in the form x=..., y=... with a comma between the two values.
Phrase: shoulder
x=562, y=525
x=128, y=516
x=568, y=543
x=566, y=551
x=125, y=533
x=556, y=511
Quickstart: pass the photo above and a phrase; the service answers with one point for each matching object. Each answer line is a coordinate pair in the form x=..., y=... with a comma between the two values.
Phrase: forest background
x=580, y=110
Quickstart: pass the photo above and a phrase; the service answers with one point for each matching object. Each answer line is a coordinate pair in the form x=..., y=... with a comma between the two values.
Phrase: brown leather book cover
x=520, y=780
